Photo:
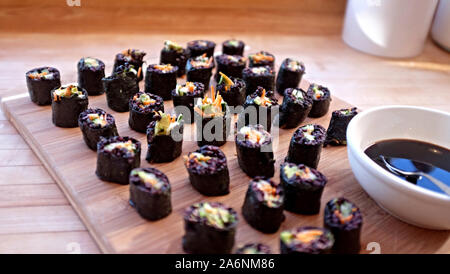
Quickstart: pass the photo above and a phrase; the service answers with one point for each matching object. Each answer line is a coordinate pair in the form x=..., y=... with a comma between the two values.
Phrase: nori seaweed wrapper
x=303, y=187
x=150, y=193
x=200, y=47
x=295, y=108
x=142, y=110
x=67, y=108
x=344, y=220
x=253, y=248
x=40, y=82
x=263, y=101
x=337, y=130
x=91, y=71
x=162, y=147
x=199, y=69
x=235, y=94
x=230, y=65
x=258, y=77
x=321, y=100
x=133, y=57
x=210, y=228
x=161, y=80
x=306, y=240
x=120, y=87
x=306, y=145
x=289, y=75
x=208, y=171
x=185, y=95
x=116, y=157
x=263, y=205
x=254, y=151
x=96, y=123
x=175, y=55
x=233, y=47
x=261, y=59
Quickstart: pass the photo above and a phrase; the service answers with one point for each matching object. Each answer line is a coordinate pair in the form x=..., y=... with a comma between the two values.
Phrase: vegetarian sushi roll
x=337, y=130
x=303, y=187
x=289, y=75
x=253, y=248
x=321, y=99
x=41, y=82
x=210, y=228
x=259, y=105
x=306, y=145
x=344, y=220
x=164, y=138
x=120, y=87
x=258, y=77
x=261, y=59
x=184, y=96
x=233, y=47
x=133, y=57
x=306, y=240
x=208, y=171
x=96, y=123
x=199, y=69
x=91, y=71
x=174, y=54
x=200, y=47
x=150, y=193
x=232, y=90
x=230, y=65
x=116, y=157
x=254, y=151
x=295, y=108
x=263, y=205
x=68, y=102
x=142, y=110
x=161, y=80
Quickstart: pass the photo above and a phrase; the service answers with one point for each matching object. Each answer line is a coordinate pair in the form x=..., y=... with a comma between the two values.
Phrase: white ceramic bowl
x=408, y=202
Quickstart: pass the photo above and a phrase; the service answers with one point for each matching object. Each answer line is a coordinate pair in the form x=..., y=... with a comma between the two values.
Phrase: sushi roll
x=199, y=69
x=321, y=99
x=200, y=47
x=258, y=77
x=133, y=57
x=208, y=171
x=306, y=240
x=344, y=220
x=161, y=80
x=261, y=59
x=289, y=75
x=295, y=108
x=337, y=130
x=116, y=157
x=150, y=193
x=263, y=205
x=164, y=138
x=253, y=248
x=41, y=82
x=91, y=71
x=68, y=102
x=259, y=105
x=233, y=47
x=231, y=89
x=303, y=187
x=96, y=123
x=120, y=87
x=254, y=151
x=142, y=110
x=212, y=120
x=184, y=96
x=306, y=145
x=176, y=55
x=231, y=65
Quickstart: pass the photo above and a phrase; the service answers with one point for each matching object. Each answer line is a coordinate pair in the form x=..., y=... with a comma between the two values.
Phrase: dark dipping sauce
x=409, y=155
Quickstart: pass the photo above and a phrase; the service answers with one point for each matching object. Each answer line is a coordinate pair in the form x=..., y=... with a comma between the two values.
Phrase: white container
x=390, y=28
x=440, y=31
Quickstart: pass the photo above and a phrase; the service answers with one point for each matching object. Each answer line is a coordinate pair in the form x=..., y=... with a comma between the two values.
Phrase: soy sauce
x=401, y=153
